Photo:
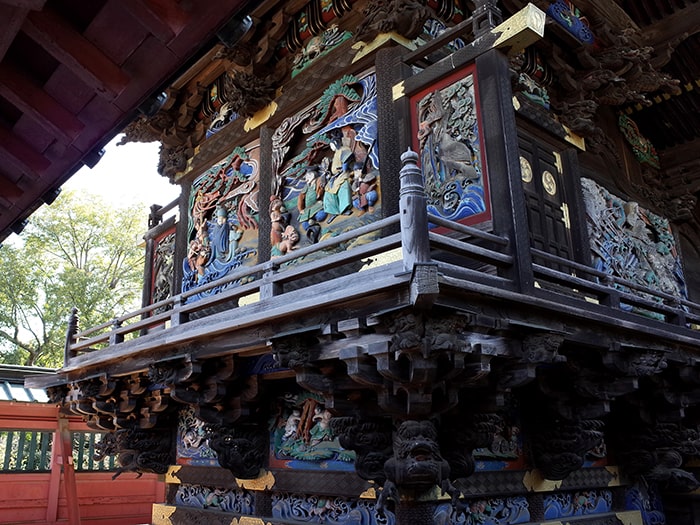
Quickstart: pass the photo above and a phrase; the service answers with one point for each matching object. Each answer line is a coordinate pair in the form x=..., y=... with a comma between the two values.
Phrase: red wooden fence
x=64, y=496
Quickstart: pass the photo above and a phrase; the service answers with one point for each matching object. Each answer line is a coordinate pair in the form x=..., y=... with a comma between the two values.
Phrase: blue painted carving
x=326, y=165
x=646, y=499
x=331, y=511
x=496, y=511
x=222, y=228
x=450, y=148
x=632, y=243
x=566, y=505
x=567, y=15
x=192, y=445
x=239, y=501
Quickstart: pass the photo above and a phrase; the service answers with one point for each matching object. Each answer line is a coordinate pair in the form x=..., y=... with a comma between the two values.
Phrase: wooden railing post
x=177, y=317
x=72, y=329
x=114, y=337
x=415, y=243
x=413, y=209
x=268, y=288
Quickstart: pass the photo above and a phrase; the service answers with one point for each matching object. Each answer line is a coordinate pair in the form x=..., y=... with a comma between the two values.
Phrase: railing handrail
x=176, y=302
x=612, y=278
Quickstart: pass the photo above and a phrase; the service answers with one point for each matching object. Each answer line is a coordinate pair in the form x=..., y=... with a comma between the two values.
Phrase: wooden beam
x=27, y=96
x=165, y=19
x=11, y=20
x=9, y=190
x=686, y=20
x=34, y=5
x=608, y=11
x=22, y=154
x=77, y=53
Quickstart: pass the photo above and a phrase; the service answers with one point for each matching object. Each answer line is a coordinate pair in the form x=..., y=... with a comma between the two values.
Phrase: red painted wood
x=50, y=497
x=33, y=100
x=77, y=53
x=22, y=154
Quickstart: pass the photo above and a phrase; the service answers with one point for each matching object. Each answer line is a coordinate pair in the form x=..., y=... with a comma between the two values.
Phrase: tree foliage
x=78, y=252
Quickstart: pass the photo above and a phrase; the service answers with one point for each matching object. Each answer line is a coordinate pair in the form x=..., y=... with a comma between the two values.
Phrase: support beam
x=77, y=53
x=673, y=26
x=164, y=19
x=11, y=20
x=22, y=154
x=34, y=101
x=9, y=190
x=34, y=5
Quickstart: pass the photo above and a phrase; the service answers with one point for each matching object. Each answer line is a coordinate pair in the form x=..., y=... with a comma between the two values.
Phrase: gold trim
x=630, y=517
x=160, y=514
x=574, y=139
x=365, y=48
x=247, y=520
x=263, y=482
x=566, y=219
x=398, y=91
x=534, y=482
x=171, y=475
x=260, y=117
x=525, y=170
x=615, y=473
x=516, y=103
x=370, y=493
x=520, y=30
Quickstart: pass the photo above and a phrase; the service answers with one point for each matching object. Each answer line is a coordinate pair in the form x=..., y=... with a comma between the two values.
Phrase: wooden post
x=54, y=479
x=114, y=337
x=415, y=244
x=267, y=287
x=503, y=162
x=62, y=462
x=70, y=487
x=413, y=207
x=72, y=329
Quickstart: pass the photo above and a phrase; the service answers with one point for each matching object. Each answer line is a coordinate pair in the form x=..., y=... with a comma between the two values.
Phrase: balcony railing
x=385, y=254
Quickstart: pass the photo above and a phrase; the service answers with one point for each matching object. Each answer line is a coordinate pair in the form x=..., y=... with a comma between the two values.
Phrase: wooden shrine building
x=434, y=261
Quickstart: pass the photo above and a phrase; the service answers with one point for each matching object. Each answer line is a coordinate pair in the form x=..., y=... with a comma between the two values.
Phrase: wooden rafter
x=21, y=153
x=164, y=19
x=34, y=5
x=11, y=20
x=34, y=101
x=77, y=53
x=671, y=27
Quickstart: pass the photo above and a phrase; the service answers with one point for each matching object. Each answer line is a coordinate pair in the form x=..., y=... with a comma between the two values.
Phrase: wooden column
x=62, y=468
x=503, y=162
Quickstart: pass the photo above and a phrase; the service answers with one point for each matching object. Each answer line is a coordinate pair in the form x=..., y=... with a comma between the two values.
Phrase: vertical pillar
x=72, y=329
x=65, y=448
x=503, y=163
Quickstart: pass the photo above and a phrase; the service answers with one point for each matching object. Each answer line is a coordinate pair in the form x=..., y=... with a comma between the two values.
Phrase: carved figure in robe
x=337, y=197
x=310, y=200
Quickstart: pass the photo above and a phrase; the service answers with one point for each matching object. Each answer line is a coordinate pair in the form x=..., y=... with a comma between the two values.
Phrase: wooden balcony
x=418, y=260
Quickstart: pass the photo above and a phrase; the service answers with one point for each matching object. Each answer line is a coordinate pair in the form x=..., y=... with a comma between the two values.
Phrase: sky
x=126, y=175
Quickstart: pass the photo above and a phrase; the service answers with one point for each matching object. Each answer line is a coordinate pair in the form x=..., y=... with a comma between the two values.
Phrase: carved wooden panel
x=223, y=219
x=447, y=135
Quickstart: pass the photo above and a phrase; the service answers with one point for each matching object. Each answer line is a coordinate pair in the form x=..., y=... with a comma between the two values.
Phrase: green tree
x=78, y=252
